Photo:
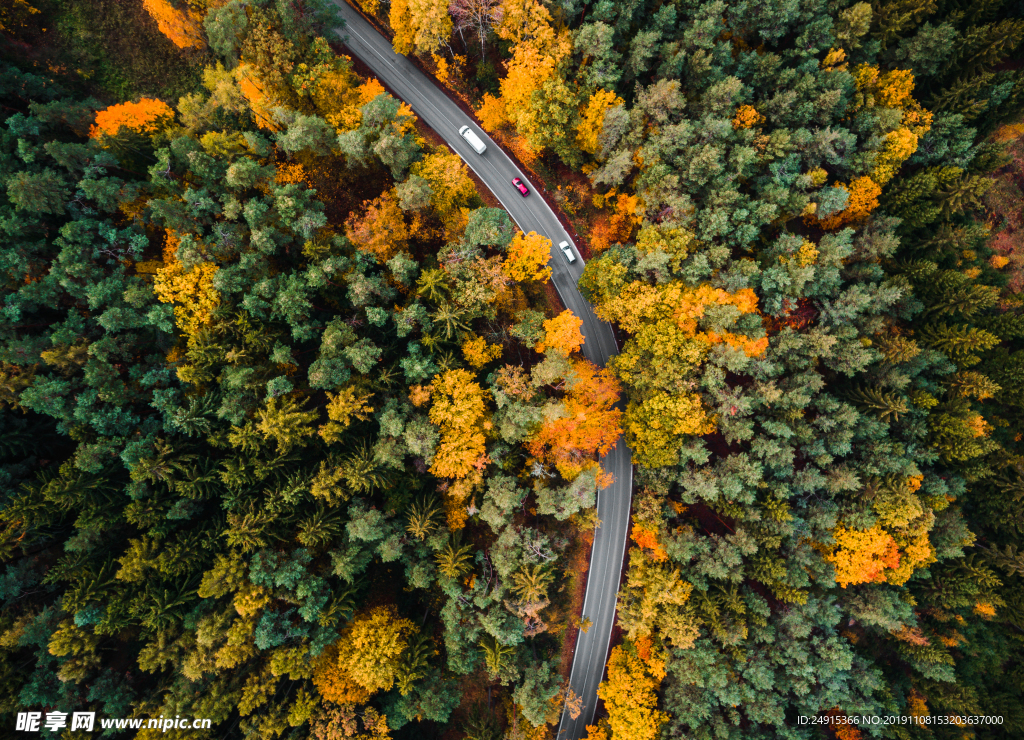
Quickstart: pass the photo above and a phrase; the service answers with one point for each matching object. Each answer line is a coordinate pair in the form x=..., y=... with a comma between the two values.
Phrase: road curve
x=496, y=170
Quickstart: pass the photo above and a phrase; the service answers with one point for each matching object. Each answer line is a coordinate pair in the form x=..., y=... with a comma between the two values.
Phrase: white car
x=567, y=251
x=474, y=141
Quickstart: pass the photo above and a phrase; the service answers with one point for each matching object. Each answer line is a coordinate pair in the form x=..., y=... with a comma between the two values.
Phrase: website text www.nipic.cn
x=86, y=721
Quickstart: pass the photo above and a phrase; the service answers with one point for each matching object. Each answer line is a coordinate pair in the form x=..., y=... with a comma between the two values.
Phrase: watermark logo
x=53, y=721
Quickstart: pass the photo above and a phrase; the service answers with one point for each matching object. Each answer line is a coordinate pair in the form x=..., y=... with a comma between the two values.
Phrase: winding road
x=532, y=213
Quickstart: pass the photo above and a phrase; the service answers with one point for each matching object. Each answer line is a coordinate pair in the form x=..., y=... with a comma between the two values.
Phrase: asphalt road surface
x=531, y=213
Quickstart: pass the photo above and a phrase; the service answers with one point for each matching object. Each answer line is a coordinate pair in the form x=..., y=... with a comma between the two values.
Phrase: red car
x=520, y=187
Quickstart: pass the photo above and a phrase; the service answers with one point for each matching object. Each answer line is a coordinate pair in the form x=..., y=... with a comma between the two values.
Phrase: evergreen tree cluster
x=276, y=418
x=817, y=326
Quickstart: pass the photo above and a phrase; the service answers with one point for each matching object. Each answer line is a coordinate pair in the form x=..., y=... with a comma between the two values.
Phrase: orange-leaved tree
x=618, y=226
x=528, y=256
x=146, y=117
x=646, y=537
x=380, y=229
x=863, y=199
x=747, y=117
x=562, y=334
x=862, y=556
x=177, y=25
x=538, y=47
x=255, y=92
x=587, y=424
x=891, y=90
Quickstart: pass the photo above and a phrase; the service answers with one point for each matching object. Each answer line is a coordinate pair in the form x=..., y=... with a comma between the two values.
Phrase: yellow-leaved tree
x=366, y=658
x=630, y=692
x=863, y=556
x=537, y=49
x=14, y=14
x=458, y=408
x=478, y=352
x=492, y=113
x=592, y=120
x=191, y=291
x=654, y=594
x=667, y=346
x=528, y=256
x=562, y=334
x=420, y=26
x=338, y=97
x=452, y=189
x=342, y=407
x=876, y=89
x=895, y=546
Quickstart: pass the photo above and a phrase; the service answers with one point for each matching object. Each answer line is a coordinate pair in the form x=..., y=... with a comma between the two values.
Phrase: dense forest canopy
x=295, y=436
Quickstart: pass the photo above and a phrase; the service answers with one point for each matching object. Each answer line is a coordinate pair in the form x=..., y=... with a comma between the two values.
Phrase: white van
x=567, y=251
x=474, y=141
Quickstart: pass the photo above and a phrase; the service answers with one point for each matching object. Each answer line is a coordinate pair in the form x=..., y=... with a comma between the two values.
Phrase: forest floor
x=114, y=48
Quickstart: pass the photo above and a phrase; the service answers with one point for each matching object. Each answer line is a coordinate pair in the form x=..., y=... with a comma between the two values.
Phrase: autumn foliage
x=885, y=90
x=863, y=556
x=562, y=334
x=451, y=186
x=478, y=352
x=255, y=95
x=191, y=291
x=863, y=200
x=146, y=117
x=630, y=694
x=668, y=340
x=365, y=660
x=618, y=226
x=589, y=424
x=538, y=47
x=747, y=117
x=646, y=538
x=592, y=119
x=458, y=408
x=492, y=113
x=420, y=25
x=528, y=256
x=177, y=25
x=339, y=95
x=380, y=229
